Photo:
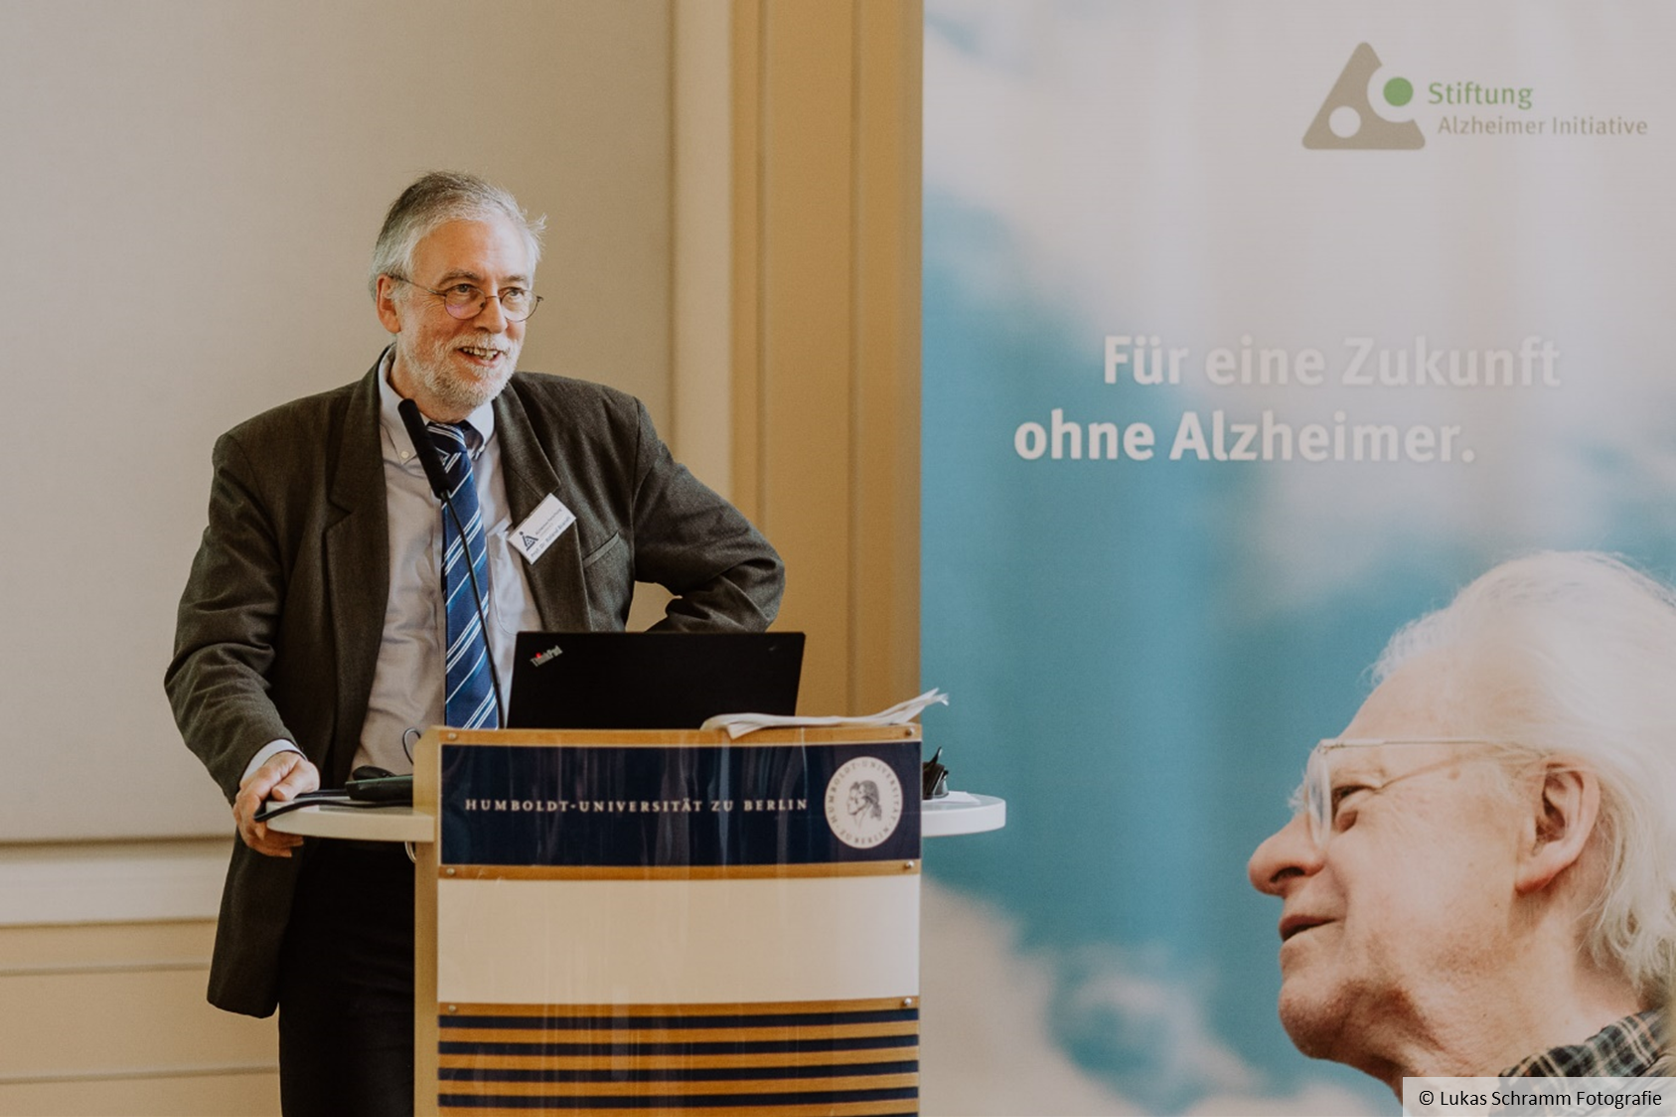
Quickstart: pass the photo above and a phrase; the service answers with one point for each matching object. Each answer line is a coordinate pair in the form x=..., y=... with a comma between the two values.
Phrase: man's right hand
x=284, y=776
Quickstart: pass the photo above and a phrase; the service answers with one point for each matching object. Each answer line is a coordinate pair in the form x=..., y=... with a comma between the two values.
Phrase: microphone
x=432, y=461
x=425, y=448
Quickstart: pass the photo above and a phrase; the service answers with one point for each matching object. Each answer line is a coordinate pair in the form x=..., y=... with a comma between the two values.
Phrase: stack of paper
x=737, y=725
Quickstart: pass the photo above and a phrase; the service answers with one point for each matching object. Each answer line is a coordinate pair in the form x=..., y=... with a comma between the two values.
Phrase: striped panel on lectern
x=707, y=929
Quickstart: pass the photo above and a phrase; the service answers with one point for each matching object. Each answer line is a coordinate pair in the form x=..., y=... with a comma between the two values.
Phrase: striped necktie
x=469, y=701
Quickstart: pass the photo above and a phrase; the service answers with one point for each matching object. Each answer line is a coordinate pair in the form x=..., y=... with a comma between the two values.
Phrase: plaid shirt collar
x=1634, y=1047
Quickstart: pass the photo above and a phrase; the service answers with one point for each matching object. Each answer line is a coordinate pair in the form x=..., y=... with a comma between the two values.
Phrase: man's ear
x=386, y=302
x=1563, y=813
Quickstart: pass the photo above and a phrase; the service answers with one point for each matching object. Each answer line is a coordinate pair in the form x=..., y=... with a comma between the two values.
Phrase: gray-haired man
x=313, y=636
x=1481, y=879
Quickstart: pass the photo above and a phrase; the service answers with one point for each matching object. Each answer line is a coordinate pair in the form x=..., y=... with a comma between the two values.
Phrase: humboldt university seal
x=864, y=802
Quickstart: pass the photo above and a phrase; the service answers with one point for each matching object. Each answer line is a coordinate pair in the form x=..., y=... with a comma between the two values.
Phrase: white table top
x=960, y=813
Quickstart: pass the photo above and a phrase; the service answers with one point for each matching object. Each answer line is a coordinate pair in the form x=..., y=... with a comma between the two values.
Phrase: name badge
x=549, y=520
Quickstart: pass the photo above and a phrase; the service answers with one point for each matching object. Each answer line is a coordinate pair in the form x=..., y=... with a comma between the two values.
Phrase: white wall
x=190, y=196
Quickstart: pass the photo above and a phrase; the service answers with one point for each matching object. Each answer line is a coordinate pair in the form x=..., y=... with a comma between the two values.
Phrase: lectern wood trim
x=678, y=872
x=891, y=1005
x=904, y=1107
x=678, y=738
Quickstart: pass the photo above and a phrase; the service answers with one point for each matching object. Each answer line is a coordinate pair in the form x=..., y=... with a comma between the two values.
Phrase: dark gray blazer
x=280, y=624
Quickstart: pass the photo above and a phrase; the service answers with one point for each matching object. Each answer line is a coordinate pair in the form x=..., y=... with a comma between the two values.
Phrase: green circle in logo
x=1398, y=91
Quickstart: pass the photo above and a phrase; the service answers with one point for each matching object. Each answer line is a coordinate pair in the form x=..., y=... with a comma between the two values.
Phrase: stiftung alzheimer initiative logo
x=863, y=802
x=1348, y=120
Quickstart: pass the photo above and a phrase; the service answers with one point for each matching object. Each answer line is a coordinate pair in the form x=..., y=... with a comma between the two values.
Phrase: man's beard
x=431, y=367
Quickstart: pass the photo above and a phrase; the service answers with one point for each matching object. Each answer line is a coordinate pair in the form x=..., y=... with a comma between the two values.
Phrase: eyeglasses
x=1319, y=801
x=465, y=301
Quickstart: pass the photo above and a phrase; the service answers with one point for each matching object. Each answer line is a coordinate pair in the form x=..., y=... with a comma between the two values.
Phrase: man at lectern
x=334, y=609
x=1480, y=879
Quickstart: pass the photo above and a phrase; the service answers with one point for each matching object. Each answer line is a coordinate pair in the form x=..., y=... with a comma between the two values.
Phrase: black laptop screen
x=651, y=680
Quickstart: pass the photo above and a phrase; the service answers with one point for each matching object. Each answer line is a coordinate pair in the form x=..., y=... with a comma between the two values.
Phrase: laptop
x=651, y=680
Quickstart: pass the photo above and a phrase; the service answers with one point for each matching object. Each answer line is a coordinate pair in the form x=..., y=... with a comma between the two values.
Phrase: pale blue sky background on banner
x=1141, y=652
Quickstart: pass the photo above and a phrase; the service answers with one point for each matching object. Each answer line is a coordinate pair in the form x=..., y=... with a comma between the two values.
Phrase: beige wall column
x=825, y=286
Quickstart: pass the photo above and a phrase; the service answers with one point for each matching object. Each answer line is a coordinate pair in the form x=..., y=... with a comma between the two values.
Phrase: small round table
x=961, y=812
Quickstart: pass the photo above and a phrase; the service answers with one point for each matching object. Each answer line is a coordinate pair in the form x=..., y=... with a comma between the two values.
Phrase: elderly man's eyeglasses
x=1320, y=797
x=464, y=301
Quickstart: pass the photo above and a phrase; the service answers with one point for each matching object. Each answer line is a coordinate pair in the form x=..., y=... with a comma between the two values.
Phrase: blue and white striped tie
x=469, y=701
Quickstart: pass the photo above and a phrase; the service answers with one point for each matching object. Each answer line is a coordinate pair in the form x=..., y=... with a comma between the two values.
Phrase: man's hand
x=284, y=776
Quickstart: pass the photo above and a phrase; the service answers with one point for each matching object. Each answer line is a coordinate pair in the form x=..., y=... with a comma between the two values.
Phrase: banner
x=1251, y=333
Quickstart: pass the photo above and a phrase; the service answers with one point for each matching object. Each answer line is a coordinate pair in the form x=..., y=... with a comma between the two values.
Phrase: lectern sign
x=694, y=806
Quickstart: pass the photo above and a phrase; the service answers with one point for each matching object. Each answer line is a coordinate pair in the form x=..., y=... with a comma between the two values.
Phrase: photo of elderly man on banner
x=1494, y=828
x=1252, y=335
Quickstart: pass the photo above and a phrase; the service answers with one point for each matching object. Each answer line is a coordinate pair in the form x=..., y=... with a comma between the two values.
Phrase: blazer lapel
x=561, y=595
x=357, y=568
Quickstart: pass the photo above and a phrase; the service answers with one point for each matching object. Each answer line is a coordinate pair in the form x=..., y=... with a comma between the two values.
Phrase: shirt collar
x=1633, y=1047
x=397, y=446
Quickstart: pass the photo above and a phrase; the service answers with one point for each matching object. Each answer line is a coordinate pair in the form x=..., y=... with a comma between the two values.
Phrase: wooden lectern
x=614, y=922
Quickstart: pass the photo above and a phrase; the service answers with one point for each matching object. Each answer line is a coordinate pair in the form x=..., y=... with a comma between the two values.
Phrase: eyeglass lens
x=1314, y=795
x=468, y=302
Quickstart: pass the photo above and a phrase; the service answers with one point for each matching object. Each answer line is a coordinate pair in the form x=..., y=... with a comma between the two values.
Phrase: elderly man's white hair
x=1590, y=647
